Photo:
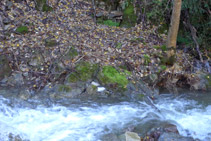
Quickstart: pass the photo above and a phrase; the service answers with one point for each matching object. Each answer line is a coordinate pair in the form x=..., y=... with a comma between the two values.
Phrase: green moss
x=50, y=42
x=163, y=67
x=118, y=45
x=64, y=88
x=163, y=47
x=71, y=53
x=129, y=17
x=86, y=70
x=128, y=72
x=73, y=77
x=146, y=59
x=94, y=87
x=110, y=23
x=41, y=5
x=83, y=72
x=22, y=29
x=208, y=78
x=110, y=75
x=46, y=8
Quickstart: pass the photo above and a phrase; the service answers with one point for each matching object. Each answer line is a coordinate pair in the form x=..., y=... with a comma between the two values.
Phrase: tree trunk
x=173, y=29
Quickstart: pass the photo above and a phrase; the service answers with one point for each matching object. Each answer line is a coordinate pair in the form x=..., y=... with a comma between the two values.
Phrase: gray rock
x=37, y=60
x=5, y=69
x=132, y=136
x=110, y=137
x=16, y=79
x=24, y=94
x=173, y=137
x=7, y=20
x=115, y=14
x=100, y=14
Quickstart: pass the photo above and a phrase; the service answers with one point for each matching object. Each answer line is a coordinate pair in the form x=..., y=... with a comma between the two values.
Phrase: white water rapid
x=89, y=122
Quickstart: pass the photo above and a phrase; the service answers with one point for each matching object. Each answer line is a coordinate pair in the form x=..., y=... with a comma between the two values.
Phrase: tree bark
x=173, y=29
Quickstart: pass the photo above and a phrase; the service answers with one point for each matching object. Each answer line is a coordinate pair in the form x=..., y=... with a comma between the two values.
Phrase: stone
x=100, y=14
x=132, y=136
x=24, y=94
x=5, y=69
x=110, y=137
x=115, y=14
x=37, y=60
x=173, y=137
x=16, y=79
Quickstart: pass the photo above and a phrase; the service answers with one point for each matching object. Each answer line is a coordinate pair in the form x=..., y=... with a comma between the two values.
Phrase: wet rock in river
x=110, y=137
x=173, y=137
x=132, y=136
x=16, y=79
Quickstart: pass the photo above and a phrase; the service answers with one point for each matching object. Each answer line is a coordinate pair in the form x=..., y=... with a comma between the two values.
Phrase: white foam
x=88, y=123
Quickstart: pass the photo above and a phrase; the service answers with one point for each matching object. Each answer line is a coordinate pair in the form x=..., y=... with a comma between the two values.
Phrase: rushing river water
x=89, y=121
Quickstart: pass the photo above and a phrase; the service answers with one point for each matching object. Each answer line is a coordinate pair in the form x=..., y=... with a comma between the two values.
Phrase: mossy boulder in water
x=109, y=76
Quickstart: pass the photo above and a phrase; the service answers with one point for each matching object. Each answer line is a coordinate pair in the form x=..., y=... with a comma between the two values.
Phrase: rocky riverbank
x=64, y=49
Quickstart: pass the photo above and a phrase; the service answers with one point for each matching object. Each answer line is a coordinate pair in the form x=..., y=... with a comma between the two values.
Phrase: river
x=90, y=120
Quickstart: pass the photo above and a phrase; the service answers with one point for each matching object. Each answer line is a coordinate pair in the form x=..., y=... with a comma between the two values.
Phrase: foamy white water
x=88, y=123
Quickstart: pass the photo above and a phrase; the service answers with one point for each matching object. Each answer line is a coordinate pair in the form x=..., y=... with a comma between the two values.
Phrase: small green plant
x=110, y=23
x=46, y=8
x=163, y=47
x=146, y=59
x=118, y=45
x=22, y=29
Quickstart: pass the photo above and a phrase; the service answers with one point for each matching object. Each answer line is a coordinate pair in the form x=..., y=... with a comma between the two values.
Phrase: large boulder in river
x=5, y=69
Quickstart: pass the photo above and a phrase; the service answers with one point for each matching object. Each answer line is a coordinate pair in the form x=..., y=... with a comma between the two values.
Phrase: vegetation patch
x=129, y=17
x=64, y=88
x=110, y=23
x=41, y=5
x=71, y=53
x=22, y=29
x=146, y=59
x=208, y=78
x=50, y=42
x=83, y=72
x=110, y=76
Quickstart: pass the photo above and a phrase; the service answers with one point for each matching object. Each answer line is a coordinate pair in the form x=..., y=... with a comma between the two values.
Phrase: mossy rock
x=73, y=77
x=41, y=5
x=71, y=53
x=129, y=16
x=110, y=76
x=208, y=78
x=51, y=43
x=83, y=72
x=22, y=29
x=64, y=88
